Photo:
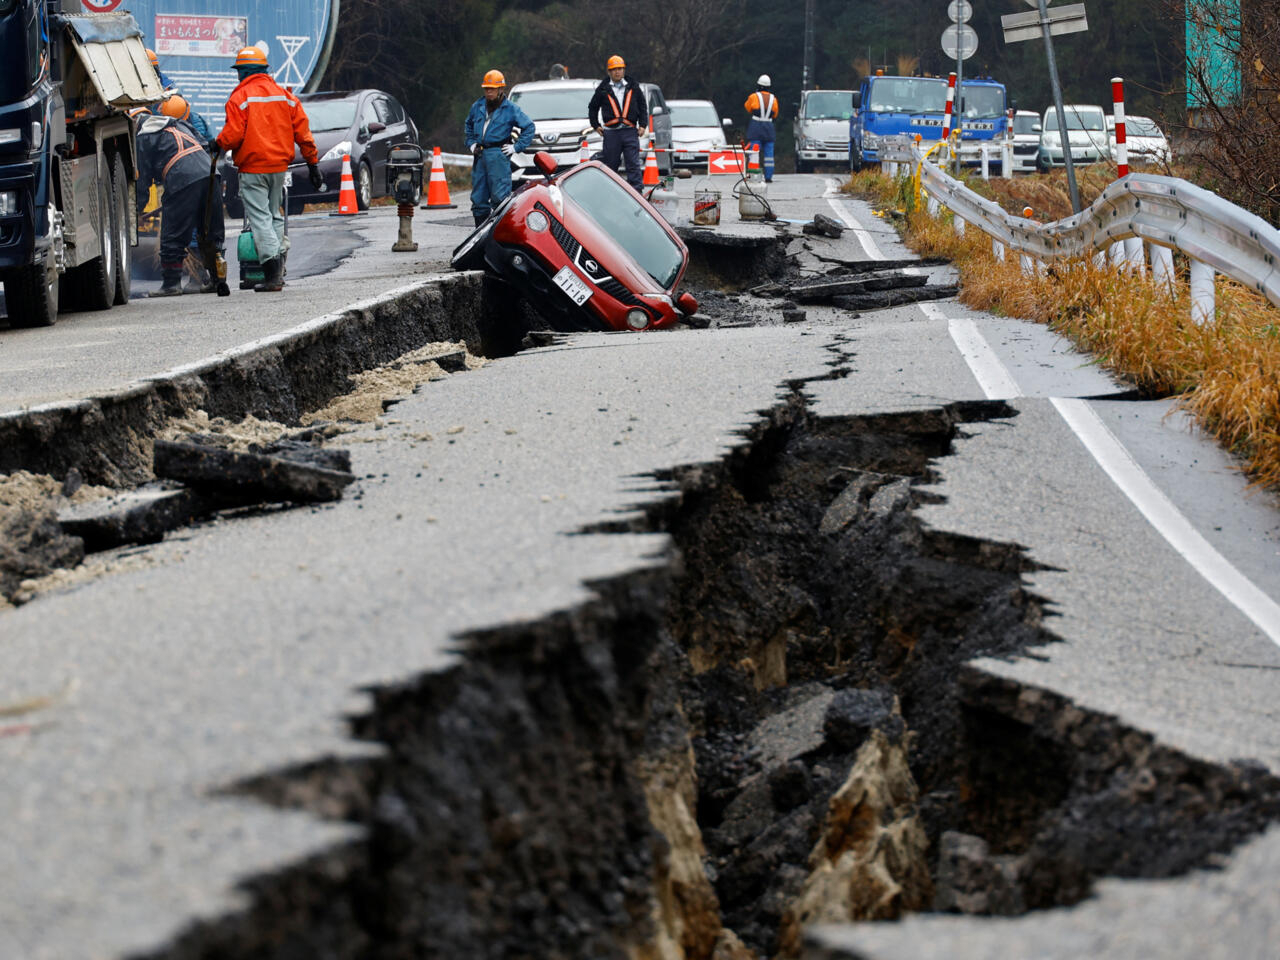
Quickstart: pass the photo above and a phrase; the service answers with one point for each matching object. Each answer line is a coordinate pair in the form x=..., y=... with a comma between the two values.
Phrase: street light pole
x=807, y=80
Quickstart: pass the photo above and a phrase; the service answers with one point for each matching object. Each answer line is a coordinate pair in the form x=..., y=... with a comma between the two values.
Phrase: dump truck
x=68, y=156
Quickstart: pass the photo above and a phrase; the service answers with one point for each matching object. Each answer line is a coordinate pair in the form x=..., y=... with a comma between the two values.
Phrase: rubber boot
x=272, y=281
x=172, y=285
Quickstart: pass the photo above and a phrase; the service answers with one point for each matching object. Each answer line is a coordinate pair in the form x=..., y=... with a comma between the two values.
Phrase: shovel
x=213, y=261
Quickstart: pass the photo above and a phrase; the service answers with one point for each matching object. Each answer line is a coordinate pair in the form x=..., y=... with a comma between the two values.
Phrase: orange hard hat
x=151, y=55
x=250, y=57
x=615, y=62
x=494, y=79
x=176, y=107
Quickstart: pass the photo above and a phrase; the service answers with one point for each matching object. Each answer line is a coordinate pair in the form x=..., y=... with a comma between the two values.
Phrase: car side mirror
x=545, y=163
x=687, y=303
x=1036, y=128
x=857, y=100
x=726, y=122
x=377, y=127
x=657, y=111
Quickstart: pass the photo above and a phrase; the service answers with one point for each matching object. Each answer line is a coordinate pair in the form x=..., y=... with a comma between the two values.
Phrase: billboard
x=196, y=42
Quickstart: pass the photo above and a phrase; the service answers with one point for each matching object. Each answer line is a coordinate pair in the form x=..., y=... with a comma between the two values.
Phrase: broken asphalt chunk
x=827, y=290
x=893, y=298
x=248, y=477
x=138, y=516
x=824, y=226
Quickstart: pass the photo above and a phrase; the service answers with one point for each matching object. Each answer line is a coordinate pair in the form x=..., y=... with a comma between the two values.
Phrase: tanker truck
x=67, y=156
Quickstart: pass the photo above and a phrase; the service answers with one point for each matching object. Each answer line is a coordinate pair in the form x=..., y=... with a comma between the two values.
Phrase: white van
x=1086, y=132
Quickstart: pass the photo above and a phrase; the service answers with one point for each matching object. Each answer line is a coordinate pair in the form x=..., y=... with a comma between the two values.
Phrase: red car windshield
x=619, y=213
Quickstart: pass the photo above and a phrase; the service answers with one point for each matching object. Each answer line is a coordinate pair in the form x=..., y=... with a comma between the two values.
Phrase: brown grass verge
x=1225, y=373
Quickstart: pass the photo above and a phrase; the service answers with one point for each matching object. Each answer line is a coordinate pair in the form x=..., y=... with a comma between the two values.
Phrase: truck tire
x=96, y=279
x=124, y=252
x=31, y=294
x=802, y=167
x=855, y=156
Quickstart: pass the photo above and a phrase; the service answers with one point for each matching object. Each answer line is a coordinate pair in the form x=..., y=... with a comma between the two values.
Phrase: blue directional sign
x=196, y=42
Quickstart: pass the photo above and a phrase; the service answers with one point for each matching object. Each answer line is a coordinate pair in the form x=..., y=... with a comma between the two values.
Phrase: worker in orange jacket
x=763, y=109
x=264, y=121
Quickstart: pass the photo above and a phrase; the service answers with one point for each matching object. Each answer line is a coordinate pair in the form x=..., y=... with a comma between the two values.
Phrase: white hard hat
x=764, y=80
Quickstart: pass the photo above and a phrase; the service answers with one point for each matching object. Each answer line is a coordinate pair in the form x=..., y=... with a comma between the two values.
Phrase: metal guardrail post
x=1162, y=266
x=998, y=249
x=1203, y=309
x=1134, y=255
x=986, y=162
x=957, y=222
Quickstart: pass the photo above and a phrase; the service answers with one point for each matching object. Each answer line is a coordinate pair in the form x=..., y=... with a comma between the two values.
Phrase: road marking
x=1160, y=512
x=846, y=216
x=1126, y=473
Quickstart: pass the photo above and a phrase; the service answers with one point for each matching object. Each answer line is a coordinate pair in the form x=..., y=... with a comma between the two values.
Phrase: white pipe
x=1162, y=265
x=998, y=249
x=1115, y=253
x=1202, y=305
x=1006, y=159
x=986, y=163
x=1134, y=256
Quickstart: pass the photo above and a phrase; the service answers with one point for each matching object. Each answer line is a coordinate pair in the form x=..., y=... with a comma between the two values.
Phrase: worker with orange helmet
x=618, y=111
x=263, y=123
x=192, y=119
x=762, y=106
x=491, y=124
x=172, y=156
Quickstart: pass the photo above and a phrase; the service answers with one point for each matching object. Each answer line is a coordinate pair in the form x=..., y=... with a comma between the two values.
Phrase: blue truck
x=895, y=106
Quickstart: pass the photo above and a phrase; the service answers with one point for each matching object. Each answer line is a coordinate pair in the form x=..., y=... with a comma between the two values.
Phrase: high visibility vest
x=764, y=103
x=619, y=112
x=187, y=145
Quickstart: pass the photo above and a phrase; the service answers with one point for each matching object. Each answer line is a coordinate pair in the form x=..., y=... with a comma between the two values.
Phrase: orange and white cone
x=753, y=160
x=584, y=152
x=347, y=205
x=650, y=178
x=437, y=186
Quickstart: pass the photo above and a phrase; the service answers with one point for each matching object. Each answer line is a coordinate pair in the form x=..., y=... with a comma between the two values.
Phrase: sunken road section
x=774, y=727
x=107, y=438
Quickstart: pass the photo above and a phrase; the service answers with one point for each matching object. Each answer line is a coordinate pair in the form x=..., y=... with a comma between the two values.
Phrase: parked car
x=821, y=128
x=1144, y=139
x=584, y=250
x=1026, y=140
x=364, y=124
x=1086, y=132
x=696, y=129
x=558, y=109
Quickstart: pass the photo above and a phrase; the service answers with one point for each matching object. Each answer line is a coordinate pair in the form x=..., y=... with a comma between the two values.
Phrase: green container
x=247, y=254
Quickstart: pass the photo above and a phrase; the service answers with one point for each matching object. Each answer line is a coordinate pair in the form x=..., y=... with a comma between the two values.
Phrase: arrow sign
x=726, y=161
x=1026, y=26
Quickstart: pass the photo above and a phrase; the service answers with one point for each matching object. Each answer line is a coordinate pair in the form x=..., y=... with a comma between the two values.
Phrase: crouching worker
x=490, y=124
x=173, y=157
x=264, y=121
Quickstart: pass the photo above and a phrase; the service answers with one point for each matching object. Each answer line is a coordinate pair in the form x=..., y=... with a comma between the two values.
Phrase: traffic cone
x=584, y=152
x=437, y=186
x=650, y=178
x=347, y=205
x=753, y=161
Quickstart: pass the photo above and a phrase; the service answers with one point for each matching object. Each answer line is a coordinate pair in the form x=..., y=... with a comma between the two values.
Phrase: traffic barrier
x=650, y=177
x=1164, y=213
x=348, y=206
x=437, y=186
x=1132, y=250
x=951, y=98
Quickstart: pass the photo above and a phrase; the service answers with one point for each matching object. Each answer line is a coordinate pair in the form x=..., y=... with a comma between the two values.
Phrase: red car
x=584, y=250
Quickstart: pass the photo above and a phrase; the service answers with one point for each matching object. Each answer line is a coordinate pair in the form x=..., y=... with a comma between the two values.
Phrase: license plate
x=568, y=281
x=686, y=156
x=288, y=178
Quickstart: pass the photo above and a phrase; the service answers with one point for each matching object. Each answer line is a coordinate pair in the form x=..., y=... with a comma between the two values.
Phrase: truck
x=68, y=157
x=896, y=106
x=822, y=117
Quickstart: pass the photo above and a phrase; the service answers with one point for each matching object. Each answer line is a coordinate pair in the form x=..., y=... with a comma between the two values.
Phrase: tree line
x=432, y=55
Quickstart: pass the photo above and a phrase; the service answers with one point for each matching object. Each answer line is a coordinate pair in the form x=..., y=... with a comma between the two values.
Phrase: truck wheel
x=124, y=252
x=31, y=294
x=97, y=278
x=855, y=157
x=802, y=167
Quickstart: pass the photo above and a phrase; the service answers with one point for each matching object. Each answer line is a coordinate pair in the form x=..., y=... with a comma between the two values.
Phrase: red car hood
x=611, y=256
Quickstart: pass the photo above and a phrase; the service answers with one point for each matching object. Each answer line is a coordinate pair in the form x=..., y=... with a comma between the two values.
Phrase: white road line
x=1125, y=473
x=992, y=375
x=845, y=213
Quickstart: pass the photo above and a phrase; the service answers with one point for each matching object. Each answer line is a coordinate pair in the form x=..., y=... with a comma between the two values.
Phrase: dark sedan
x=364, y=124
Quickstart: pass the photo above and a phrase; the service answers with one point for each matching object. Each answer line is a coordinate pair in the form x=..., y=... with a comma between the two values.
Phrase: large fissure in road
x=774, y=727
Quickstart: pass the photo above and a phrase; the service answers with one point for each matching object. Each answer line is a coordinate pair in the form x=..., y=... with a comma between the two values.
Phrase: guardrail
x=1139, y=216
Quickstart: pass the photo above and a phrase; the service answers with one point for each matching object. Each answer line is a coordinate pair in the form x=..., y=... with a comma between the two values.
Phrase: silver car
x=1026, y=140
x=696, y=129
x=1086, y=132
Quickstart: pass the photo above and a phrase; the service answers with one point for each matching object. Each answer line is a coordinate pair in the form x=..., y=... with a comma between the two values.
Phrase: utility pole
x=807, y=79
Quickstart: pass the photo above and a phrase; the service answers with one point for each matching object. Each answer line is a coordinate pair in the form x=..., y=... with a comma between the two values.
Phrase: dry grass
x=1226, y=373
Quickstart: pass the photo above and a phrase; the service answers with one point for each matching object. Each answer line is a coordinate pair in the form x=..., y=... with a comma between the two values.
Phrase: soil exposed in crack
x=775, y=729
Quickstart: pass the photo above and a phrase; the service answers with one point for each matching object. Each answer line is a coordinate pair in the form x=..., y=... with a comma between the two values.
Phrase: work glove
x=475, y=148
x=213, y=147
x=508, y=149
x=317, y=178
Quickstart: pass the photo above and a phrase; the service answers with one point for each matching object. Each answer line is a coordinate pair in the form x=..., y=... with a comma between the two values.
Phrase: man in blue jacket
x=490, y=124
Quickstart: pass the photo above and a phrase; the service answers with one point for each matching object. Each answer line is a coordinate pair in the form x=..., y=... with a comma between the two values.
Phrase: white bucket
x=706, y=205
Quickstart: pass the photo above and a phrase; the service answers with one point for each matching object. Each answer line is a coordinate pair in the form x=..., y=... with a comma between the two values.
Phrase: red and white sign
x=101, y=6
x=178, y=35
x=726, y=161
